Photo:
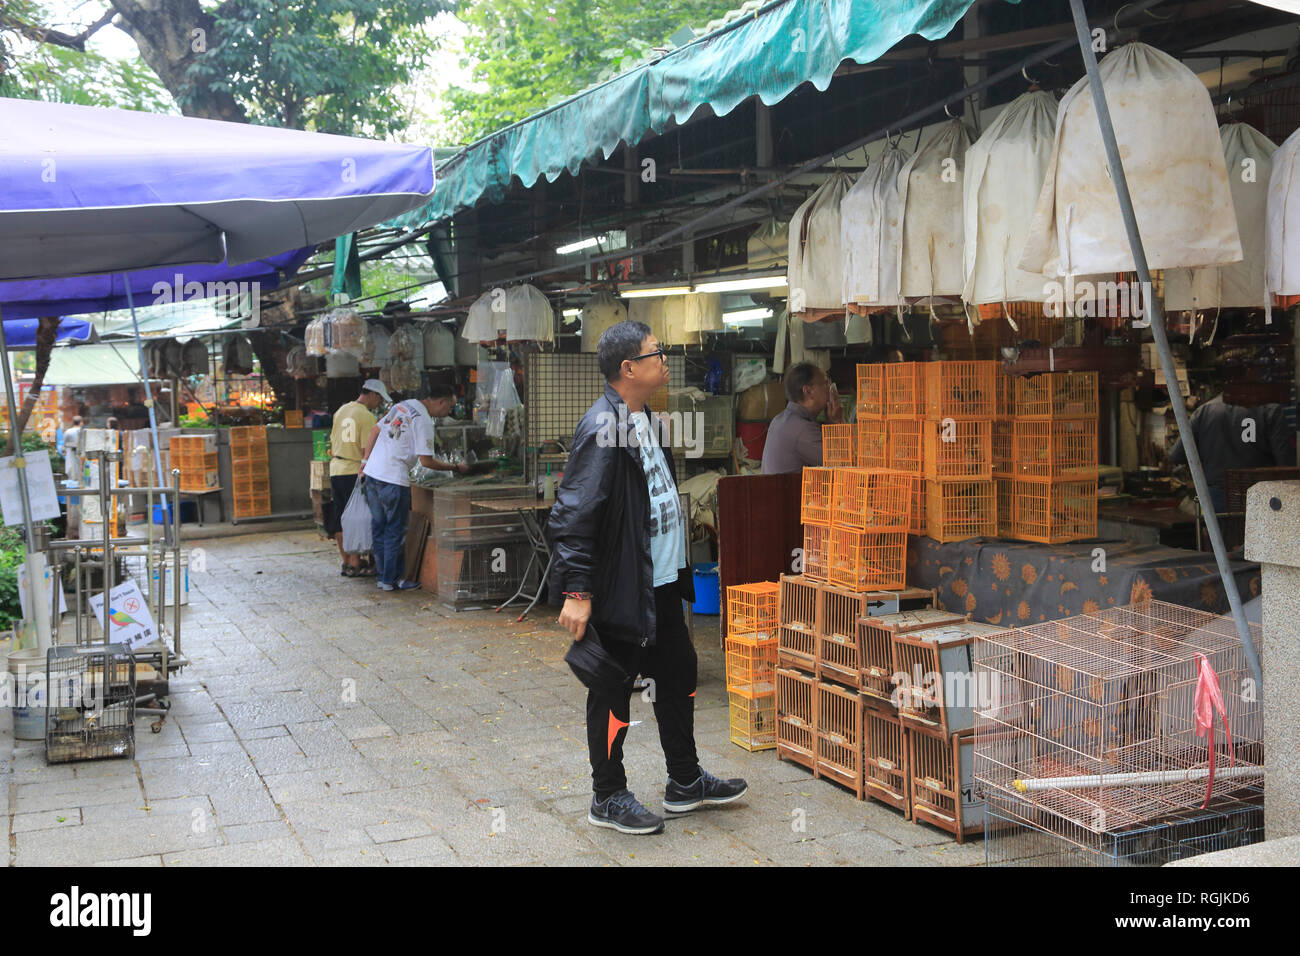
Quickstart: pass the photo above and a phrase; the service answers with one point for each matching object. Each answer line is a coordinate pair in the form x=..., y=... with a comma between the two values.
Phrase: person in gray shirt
x=794, y=439
x=1231, y=436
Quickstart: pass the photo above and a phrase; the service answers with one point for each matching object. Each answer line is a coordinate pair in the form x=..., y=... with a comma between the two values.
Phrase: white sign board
x=50, y=582
x=40, y=488
x=129, y=619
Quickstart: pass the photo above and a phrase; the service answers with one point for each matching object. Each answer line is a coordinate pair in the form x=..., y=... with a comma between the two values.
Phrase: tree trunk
x=47, y=332
x=172, y=35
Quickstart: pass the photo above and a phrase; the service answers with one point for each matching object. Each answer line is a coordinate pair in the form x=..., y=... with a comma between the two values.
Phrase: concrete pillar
x=1273, y=539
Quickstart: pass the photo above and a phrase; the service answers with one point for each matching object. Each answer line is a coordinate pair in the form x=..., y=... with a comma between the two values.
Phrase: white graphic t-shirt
x=405, y=433
x=667, y=537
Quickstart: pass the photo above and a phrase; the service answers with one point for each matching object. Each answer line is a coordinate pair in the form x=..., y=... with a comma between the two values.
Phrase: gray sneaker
x=705, y=790
x=624, y=813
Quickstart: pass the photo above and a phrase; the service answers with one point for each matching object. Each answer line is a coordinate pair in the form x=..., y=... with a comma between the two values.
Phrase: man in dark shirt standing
x=794, y=439
x=1232, y=436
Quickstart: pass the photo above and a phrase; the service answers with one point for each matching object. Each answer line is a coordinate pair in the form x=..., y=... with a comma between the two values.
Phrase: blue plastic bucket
x=706, y=588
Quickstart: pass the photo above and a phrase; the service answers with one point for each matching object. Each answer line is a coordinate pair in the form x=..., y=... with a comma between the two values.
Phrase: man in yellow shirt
x=352, y=425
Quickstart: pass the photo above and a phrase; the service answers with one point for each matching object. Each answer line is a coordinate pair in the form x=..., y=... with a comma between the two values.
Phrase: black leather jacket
x=599, y=530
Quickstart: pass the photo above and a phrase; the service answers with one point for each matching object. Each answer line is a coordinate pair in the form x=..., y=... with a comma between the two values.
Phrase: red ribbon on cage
x=1208, y=700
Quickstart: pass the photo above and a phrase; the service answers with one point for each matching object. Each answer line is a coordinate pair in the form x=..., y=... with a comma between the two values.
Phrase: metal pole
x=109, y=519
x=1156, y=315
x=77, y=554
x=148, y=397
x=176, y=572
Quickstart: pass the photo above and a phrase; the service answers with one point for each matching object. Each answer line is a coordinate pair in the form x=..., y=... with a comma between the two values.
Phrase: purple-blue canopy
x=89, y=191
x=21, y=333
x=77, y=295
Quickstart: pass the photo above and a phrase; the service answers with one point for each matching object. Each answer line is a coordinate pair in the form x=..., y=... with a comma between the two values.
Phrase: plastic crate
x=1006, y=507
x=872, y=445
x=796, y=717
x=797, y=606
x=246, y=470
x=751, y=665
x=959, y=448
x=961, y=390
x=1055, y=448
x=905, y=390
x=871, y=391
x=815, y=502
x=247, y=434
x=884, y=760
x=1057, y=395
x=943, y=783
x=876, y=638
x=905, y=450
x=957, y=510
x=868, y=560
x=255, y=453
x=839, y=446
x=870, y=500
x=753, y=720
x=252, y=506
x=1003, y=446
x=839, y=736
x=816, y=552
x=251, y=487
x=752, y=609
x=1055, y=512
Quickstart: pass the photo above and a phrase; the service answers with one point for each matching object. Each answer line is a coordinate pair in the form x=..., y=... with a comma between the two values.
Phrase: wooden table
x=530, y=511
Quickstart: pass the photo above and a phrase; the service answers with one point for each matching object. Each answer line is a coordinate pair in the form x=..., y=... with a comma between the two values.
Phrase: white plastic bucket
x=27, y=691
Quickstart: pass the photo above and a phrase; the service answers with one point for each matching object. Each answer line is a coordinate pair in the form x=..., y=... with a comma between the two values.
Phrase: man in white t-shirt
x=400, y=439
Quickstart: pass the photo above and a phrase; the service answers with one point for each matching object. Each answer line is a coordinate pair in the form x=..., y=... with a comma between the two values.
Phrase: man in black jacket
x=618, y=537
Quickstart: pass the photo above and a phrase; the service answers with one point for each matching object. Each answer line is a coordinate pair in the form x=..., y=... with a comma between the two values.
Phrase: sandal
x=350, y=572
x=365, y=571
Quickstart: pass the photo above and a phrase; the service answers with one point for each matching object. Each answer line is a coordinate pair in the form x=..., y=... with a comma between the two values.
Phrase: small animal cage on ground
x=1089, y=721
x=90, y=713
x=796, y=717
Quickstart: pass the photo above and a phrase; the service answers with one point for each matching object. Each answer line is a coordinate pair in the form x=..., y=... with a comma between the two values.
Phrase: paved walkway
x=325, y=722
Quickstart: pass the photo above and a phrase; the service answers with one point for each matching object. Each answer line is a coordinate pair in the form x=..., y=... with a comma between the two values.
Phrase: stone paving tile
x=280, y=852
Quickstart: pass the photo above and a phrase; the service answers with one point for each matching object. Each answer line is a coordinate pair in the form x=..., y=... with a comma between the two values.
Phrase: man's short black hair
x=436, y=392
x=797, y=378
x=617, y=344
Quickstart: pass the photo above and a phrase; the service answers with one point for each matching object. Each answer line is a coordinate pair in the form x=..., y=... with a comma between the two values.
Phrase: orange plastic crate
x=906, y=451
x=868, y=560
x=798, y=603
x=254, y=452
x=960, y=389
x=1057, y=395
x=885, y=752
x=796, y=717
x=253, y=506
x=1003, y=445
x=753, y=721
x=1054, y=512
x=958, y=510
x=244, y=434
x=752, y=609
x=870, y=500
x=839, y=736
x=816, y=551
x=1006, y=507
x=247, y=470
x=905, y=390
x=871, y=391
x=815, y=506
x=1056, y=448
x=872, y=445
x=751, y=665
x=959, y=448
x=839, y=446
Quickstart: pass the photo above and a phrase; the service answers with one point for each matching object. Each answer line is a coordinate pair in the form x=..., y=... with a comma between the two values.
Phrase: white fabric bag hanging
x=1004, y=174
x=815, y=261
x=439, y=345
x=341, y=364
x=377, y=353
x=650, y=310
x=406, y=347
x=1248, y=156
x=484, y=321
x=1173, y=160
x=703, y=312
x=238, y=356
x=930, y=255
x=1282, y=236
x=673, y=321
x=870, y=232
x=347, y=332
x=468, y=352
x=194, y=358
x=601, y=311
x=529, y=316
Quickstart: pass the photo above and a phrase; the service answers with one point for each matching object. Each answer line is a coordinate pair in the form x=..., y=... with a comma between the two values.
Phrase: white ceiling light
x=570, y=313
x=746, y=316
x=648, y=293
x=579, y=245
x=742, y=284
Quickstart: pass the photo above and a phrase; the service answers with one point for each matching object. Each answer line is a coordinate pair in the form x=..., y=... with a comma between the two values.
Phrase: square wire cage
x=90, y=707
x=1090, y=720
x=871, y=391
x=872, y=437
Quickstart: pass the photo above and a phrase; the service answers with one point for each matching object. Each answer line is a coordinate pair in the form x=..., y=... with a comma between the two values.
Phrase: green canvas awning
x=767, y=55
x=85, y=365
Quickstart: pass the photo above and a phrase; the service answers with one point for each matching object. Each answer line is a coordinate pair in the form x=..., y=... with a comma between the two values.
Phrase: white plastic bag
x=929, y=195
x=870, y=232
x=356, y=521
x=1173, y=161
x=529, y=316
x=1004, y=174
x=815, y=266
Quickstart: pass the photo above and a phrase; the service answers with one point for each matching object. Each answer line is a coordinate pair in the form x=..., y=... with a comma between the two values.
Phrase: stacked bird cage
x=960, y=406
x=250, y=472
x=1088, y=747
x=90, y=707
x=1054, y=457
x=751, y=651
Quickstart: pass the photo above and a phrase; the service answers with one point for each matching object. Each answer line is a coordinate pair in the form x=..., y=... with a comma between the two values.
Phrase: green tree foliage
x=325, y=65
x=530, y=53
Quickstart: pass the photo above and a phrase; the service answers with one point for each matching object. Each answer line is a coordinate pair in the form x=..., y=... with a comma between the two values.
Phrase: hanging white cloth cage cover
x=930, y=255
x=870, y=233
x=1004, y=174
x=815, y=261
x=601, y=311
x=1282, y=237
x=439, y=345
x=377, y=353
x=486, y=317
x=1168, y=139
x=529, y=316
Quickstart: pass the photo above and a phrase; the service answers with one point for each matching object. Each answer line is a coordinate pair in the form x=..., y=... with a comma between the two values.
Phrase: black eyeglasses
x=663, y=357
